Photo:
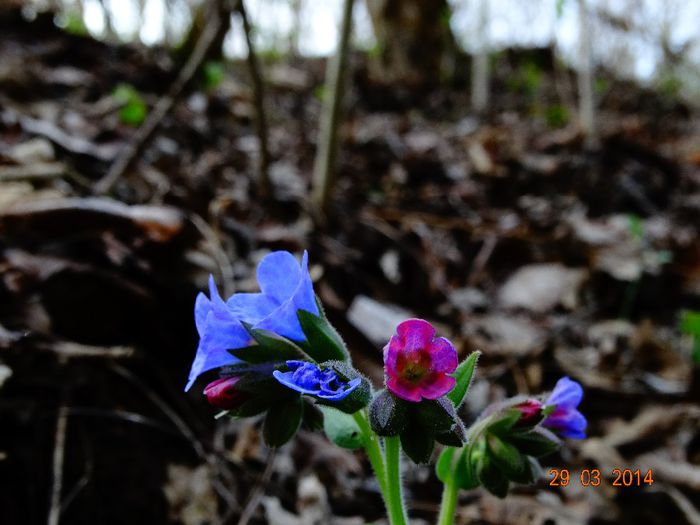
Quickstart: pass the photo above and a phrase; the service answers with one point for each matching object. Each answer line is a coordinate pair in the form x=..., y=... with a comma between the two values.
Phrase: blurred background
x=525, y=175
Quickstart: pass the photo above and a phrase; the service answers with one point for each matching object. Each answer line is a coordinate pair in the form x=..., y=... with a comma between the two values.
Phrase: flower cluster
x=279, y=357
x=276, y=352
x=510, y=437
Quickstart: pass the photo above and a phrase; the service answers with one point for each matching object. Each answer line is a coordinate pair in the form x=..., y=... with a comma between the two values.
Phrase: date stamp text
x=594, y=477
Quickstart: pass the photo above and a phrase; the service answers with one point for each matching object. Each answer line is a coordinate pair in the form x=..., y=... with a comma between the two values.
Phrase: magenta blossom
x=417, y=364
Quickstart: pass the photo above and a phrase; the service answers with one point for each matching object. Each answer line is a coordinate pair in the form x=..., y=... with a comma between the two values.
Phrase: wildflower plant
x=279, y=358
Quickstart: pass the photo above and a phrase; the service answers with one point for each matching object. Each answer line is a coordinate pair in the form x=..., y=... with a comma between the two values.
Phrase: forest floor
x=551, y=257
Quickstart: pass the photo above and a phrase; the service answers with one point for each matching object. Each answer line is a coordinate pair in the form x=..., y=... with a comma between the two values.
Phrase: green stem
x=448, y=504
x=374, y=451
x=392, y=451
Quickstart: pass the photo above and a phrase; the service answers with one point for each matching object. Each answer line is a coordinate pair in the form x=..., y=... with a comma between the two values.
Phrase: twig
x=218, y=252
x=163, y=106
x=38, y=170
x=71, y=349
x=482, y=258
x=58, y=456
x=324, y=166
x=211, y=459
x=258, y=491
x=264, y=183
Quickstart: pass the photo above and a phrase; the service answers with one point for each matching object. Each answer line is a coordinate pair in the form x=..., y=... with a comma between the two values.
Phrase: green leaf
x=435, y=416
x=508, y=459
x=271, y=347
x=388, y=415
x=416, y=443
x=491, y=477
x=690, y=323
x=213, y=73
x=263, y=385
x=313, y=417
x=252, y=407
x=465, y=477
x=538, y=442
x=324, y=343
x=133, y=110
x=341, y=428
x=463, y=375
x=443, y=466
x=282, y=421
x=455, y=437
x=452, y=462
x=502, y=426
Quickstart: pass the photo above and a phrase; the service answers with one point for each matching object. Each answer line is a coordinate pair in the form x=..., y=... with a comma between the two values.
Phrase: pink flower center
x=413, y=366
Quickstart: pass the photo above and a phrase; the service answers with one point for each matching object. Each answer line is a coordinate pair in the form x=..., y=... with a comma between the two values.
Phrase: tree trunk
x=413, y=37
x=585, y=76
x=480, y=64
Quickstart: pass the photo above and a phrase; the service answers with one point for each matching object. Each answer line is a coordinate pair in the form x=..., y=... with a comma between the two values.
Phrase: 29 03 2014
x=619, y=477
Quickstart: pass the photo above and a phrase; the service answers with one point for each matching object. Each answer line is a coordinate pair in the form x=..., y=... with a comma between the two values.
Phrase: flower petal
x=251, y=307
x=440, y=386
x=443, y=356
x=287, y=379
x=403, y=390
x=283, y=320
x=202, y=306
x=566, y=393
x=218, y=335
x=568, y=423
x=416, y=334
x=279, y=275
x=344, y=392
x=391, y=354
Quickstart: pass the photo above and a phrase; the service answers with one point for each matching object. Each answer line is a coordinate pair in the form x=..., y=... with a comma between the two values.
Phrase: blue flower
x=309, y=379
x=565, y=419
x=285, y=288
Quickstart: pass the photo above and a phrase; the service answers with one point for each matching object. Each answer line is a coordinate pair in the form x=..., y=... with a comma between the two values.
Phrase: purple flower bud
x=223, y=393
x=561, y=406
x=309, y=379
x=417, y=364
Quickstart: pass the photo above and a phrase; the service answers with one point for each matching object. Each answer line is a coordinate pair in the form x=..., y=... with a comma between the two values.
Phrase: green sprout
x=213, y=73
x=690, y=325
x=133, y=109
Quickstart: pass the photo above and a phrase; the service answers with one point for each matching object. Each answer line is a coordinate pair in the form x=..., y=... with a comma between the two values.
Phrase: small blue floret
x=309, y=379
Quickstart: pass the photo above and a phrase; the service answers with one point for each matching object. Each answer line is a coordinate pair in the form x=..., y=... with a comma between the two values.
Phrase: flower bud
x=223, y=393
x=531, y=413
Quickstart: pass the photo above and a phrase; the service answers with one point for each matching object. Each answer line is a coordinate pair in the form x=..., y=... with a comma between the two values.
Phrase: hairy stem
x=448, y=504
x=392, y=451
x=374, y=451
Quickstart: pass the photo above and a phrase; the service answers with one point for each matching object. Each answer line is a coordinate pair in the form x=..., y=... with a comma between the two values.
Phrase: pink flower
x=417, y=364
x=223, y=393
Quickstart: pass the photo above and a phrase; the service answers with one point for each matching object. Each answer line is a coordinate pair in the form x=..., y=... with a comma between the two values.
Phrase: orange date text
x=593, y=477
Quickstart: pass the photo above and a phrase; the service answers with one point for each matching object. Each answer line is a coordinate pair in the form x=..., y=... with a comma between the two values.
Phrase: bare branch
x=324, y=167
x=264, y=184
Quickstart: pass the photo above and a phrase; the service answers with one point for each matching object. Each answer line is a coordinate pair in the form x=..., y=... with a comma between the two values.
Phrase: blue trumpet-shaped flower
x=285, y=287
x=309, y=379
x=564, y=418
